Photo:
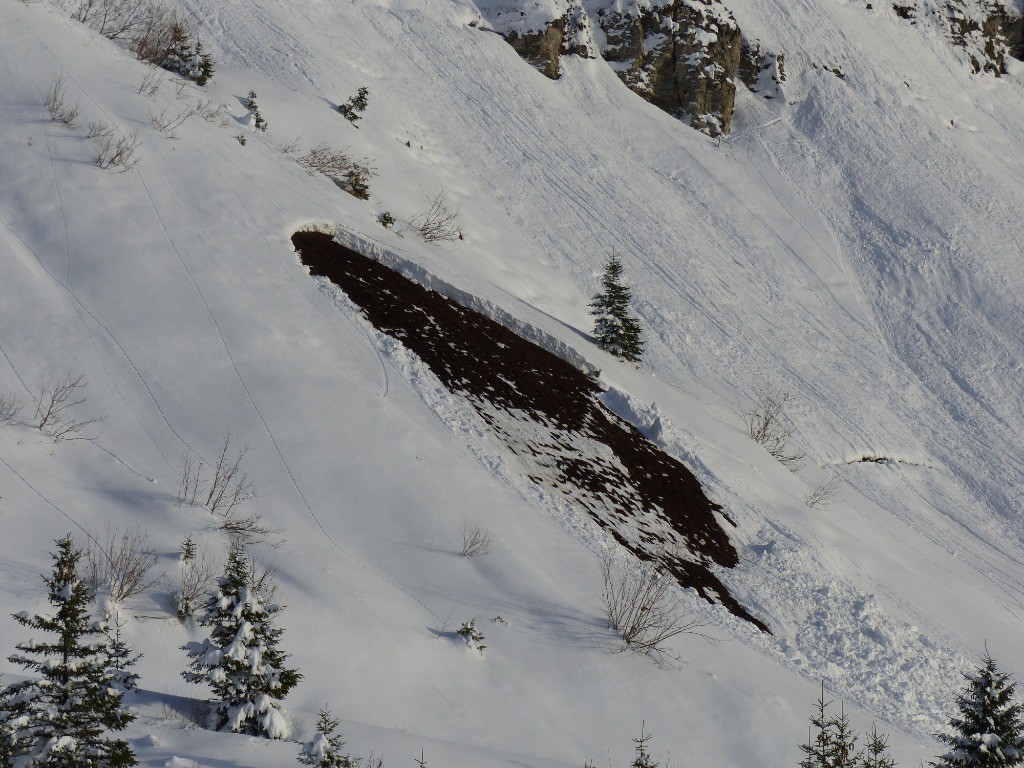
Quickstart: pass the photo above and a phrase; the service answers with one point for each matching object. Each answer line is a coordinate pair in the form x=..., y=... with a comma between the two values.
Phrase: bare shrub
x=640, y=606
x=114, y=19
x=56, y=105
x=821, y=494
x=120, y=156
x=120, y=564
x=197, y=578
x=440, y=222
x=169, y=120
x=151, y=83
x=222, y=493
x=333, y=163
x=192, y=483
x=55, y=404
x=290, y=147
x=475, y=541
x=263, y=579
x=229, y=486
x=154, y=34
x=10, y=407
x=247, y=530
x=768, y=427
x=99, y=130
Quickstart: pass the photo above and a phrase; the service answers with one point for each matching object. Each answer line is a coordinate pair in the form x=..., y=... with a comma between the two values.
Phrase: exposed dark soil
x=548, y=413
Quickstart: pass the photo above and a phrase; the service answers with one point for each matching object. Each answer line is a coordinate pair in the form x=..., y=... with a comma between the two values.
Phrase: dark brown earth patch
x=549, y=414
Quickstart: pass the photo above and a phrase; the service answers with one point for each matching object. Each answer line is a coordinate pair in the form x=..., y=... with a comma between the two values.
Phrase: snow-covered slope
x=856, y=244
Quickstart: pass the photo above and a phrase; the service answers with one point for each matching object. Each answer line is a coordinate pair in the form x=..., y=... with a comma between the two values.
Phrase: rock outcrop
x=761, y=70
x=987, y=31
x=681, y=55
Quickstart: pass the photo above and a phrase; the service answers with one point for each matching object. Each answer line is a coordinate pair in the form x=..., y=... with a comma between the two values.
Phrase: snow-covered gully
x=548, y=413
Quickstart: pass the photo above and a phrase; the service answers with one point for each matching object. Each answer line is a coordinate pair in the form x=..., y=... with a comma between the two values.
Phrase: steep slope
x=855, y=243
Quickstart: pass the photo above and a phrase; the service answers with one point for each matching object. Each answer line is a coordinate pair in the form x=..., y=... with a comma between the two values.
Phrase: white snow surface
x=856, y=244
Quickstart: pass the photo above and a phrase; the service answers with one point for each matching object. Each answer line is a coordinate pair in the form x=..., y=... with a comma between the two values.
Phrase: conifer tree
x=60, y=718
x=240, y=661
x=832, y=742
x=186, y=60
x=988, y=731
x=615, y=328
x=120, y=659
x=876, y=751
x=643, y=757
x=250, y=104
x=352, y=109
x=324, y=749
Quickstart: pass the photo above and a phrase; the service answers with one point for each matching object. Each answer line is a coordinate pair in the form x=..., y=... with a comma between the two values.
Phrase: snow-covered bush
x=63, y=715
x=324, y=749
x=250, y=104
x=474, y=637
x=989, y=730
x=241, y=661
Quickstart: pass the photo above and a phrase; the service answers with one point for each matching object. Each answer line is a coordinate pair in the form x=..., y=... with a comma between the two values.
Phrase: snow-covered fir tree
x=615, y=328
x=352, y=109
x=324, y=749
x=250, y=104
x=988, y=730
x=241, y=661
x=188, y=60
x=120, y=659
x=62, y=716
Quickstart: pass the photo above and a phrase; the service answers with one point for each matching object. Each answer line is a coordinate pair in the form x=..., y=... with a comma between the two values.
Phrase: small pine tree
x=324, y=749
x=355, y=185
x=617, y=331
x=834, y=745
x=61, y=718
x=643, y=757
x=203, y=68
x=120, y=659
x=818, y=749
x=474, y=637
x=988, y=731
x=240, y=661
x=188, y=60
x=876, y=751
x=352, y=109
x=250, y=104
